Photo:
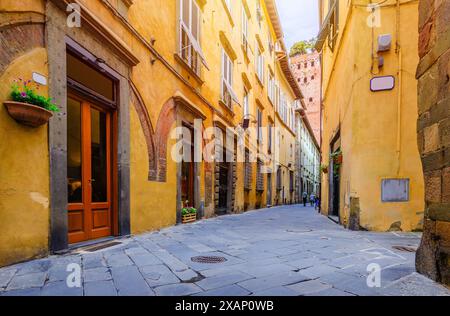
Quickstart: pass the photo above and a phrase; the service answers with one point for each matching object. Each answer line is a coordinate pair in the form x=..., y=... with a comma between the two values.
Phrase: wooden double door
x=89, y=170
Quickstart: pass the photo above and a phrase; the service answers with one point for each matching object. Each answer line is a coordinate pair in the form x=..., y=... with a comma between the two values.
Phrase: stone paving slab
x=282, y=251
x=100, y=288
x=276, y=291
x=309, y=287
x=330, y=292
x=97, y=275
x=159, y=275
x=182, y=289
x=230, y=290
x=130, y=282
x=27, y=281
x=261, y=284
x=222, y=280
x=60, y=288
x=6, y=276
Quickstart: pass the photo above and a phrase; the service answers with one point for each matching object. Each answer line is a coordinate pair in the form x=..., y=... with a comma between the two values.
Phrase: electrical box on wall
x=395, y=190
x=384, y=43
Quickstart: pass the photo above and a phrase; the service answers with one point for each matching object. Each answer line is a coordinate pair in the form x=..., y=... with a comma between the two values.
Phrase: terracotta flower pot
x=28, y=114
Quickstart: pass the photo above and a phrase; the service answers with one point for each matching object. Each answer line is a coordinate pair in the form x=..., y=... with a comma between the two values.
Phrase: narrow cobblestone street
x=288, y=251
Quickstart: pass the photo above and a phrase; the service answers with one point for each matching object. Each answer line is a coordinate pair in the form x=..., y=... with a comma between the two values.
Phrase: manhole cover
x=404, y=248
x=208, y=259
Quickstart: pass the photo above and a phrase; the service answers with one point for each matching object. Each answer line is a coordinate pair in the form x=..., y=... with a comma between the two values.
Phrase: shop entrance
x=91, y=143
x=89, y=171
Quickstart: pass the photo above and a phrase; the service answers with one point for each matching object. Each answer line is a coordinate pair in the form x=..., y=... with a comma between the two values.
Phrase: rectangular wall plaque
x=382, y=83
x=395, y=190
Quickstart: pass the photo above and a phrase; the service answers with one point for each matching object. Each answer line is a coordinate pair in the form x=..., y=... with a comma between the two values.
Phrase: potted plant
x=27, y=106
x=337, y=161
x=324, y=169
x=337, y=157
x=188, y=214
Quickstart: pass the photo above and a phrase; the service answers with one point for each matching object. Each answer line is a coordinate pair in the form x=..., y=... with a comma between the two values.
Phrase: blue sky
x=300, y=19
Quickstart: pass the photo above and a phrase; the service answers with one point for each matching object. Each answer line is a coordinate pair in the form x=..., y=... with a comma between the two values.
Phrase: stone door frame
x=60, y=38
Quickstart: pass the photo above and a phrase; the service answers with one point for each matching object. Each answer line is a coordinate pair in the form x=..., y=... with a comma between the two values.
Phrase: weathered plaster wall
x=24, y=172
x=377, y=135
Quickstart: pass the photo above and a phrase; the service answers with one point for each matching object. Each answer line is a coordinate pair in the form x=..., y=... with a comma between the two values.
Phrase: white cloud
x=300, y=19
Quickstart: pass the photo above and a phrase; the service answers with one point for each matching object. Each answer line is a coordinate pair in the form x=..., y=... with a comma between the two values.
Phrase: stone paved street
x=287, y=251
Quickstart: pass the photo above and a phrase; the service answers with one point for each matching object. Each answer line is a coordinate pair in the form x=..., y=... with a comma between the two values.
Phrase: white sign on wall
x=382, y=83
x=40, y=79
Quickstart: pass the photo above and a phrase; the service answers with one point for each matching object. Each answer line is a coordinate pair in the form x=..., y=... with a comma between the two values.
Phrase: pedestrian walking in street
x=305, y=198
x=317, y=203
x=312, y=199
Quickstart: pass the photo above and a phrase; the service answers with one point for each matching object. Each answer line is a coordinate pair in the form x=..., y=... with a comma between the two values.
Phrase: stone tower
x=306, y=69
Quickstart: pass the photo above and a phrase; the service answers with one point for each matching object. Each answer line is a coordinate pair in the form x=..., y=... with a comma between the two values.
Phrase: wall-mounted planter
x=28, y=114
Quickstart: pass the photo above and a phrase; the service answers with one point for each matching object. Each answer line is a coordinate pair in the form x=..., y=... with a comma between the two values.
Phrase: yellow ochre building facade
x=373, y=175
x=125, y=74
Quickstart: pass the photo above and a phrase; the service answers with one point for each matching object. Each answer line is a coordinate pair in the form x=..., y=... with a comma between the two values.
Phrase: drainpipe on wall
x=321, y=128
x=398, y=50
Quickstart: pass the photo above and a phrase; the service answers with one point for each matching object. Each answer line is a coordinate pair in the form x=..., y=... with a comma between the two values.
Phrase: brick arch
x=147, y=129
x=156, y=139
x=167, y=116
x=21, y=38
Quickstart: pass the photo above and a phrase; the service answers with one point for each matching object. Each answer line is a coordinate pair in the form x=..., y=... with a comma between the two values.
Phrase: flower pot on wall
x=28, y=114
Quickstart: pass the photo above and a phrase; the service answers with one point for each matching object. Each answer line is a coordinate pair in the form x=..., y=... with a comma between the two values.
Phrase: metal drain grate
x=208, y=259
x=102, y=246
x=404, y=248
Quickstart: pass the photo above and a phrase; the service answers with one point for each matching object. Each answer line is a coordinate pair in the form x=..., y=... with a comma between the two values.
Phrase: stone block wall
x=433, y=256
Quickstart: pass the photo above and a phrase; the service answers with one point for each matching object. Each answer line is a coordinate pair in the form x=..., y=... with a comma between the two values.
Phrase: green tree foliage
x=302, y=47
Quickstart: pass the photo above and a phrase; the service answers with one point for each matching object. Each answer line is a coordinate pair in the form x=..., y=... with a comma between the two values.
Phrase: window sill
x=188, y=69
x=226, y=107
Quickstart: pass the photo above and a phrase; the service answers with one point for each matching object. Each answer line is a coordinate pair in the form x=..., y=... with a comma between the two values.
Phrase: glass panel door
x=74, y=148
x=99, y=156
x=89, y=155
